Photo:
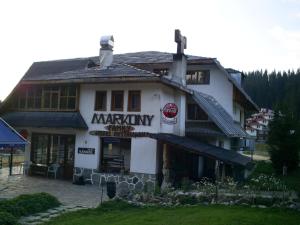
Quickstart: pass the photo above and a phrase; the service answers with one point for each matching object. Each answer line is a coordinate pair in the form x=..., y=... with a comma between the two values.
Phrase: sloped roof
x=44, y=71
x=9, y=136
x=211, y=151
x=218, y=115
x=46, y=119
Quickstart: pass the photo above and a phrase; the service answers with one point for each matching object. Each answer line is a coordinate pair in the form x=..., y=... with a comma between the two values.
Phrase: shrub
x=187, y=199
x=24, y=205
x=8, y=219
x=267, y=183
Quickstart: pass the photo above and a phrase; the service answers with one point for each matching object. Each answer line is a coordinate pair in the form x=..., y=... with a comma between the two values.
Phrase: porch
x=181, y=158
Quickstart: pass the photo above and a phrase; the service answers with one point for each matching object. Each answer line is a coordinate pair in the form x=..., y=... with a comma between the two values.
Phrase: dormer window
x=197, y=77
x=161, y=71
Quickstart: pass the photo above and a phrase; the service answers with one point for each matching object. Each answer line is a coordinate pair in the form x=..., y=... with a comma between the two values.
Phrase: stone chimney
x=106, y=51
x=179, y=59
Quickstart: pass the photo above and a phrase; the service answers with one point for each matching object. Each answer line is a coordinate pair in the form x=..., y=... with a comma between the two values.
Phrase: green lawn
x=201, y=215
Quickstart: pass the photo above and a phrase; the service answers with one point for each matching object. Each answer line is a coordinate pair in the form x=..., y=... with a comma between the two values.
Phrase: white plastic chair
x=77, y=172
x=25, y=166
x=53, y=168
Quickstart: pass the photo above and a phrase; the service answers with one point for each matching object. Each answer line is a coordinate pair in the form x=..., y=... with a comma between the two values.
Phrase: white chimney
x=106, y=51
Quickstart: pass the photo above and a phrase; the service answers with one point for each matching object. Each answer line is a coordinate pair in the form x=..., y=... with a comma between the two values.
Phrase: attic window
x=197, y=77
x=91, y=64
x=161, y=71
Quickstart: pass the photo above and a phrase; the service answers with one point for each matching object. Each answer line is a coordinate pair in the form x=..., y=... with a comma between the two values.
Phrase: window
x=134, y=101
x=100, y=101
x=45, y=98
x=196, y=113
x=68, y=97
x=117, y=100
x=39, y=149
x=162, y=71
x=197, y=77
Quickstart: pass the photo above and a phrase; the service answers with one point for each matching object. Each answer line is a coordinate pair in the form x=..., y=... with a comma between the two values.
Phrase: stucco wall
x=219, y=87
x=143, y=155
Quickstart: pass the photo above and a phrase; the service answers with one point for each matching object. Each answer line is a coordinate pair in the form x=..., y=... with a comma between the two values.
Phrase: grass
x=200, y=215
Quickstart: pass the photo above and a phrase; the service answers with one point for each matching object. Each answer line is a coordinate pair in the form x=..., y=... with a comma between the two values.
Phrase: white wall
x=143, y=150
x=143, y=155
x=219, y=87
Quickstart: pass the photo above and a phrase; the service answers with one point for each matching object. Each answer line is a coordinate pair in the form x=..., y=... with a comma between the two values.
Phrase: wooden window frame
x=129, y=109
x=105, y=103
x=112, y=106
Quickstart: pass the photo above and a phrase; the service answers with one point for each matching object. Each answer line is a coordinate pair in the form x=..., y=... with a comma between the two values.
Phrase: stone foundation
x=133, y=182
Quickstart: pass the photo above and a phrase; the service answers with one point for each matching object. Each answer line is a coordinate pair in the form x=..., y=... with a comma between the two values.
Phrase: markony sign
x=123, y=119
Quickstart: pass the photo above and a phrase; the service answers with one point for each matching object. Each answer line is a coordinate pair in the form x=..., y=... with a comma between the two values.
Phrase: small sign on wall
x=87, y=151
x=169, y=113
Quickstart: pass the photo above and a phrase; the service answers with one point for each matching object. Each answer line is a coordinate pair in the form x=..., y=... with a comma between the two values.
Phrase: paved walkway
x=66, y=192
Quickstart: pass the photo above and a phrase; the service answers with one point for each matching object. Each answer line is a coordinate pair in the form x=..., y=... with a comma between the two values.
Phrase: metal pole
x=11, y=161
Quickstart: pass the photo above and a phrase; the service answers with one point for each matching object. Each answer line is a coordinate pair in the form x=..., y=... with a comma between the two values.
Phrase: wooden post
x=166, y=167
x=223, y=172
x=217, y=174
x=11, y=161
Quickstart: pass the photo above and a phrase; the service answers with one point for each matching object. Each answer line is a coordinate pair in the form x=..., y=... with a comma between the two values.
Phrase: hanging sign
x=169, y=113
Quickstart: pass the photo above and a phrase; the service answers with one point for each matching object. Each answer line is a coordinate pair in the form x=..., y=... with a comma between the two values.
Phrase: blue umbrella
x=9, y=137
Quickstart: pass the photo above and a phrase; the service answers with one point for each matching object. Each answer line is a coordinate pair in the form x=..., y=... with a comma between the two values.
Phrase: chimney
x=106, y=51
x=179, y=59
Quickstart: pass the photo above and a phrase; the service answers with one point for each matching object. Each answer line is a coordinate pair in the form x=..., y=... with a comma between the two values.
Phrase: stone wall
x=126, y=184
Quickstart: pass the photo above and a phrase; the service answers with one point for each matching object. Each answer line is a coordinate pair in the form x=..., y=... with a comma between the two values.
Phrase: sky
x=242, y=34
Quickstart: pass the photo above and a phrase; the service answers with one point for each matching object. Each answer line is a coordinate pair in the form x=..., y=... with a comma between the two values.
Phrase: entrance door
x=69, y=151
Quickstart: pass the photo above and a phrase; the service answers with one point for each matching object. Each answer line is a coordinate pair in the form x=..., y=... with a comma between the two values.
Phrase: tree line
x=275, y=90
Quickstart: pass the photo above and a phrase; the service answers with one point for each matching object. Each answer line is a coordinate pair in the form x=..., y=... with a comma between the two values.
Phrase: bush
x=24, y=205
x=187, y=199
x=8, y=219
x=267, y=183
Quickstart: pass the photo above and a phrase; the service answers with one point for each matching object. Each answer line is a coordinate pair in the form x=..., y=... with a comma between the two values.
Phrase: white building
x=153, y=116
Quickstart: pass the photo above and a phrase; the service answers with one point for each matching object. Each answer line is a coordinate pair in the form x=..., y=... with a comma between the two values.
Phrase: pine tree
x=284, y=141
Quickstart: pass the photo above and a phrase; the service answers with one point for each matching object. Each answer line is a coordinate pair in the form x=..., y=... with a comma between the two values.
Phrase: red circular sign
x=170, y=110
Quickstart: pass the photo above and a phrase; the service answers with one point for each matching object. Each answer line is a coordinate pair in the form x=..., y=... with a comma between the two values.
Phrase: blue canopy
x=9, y=137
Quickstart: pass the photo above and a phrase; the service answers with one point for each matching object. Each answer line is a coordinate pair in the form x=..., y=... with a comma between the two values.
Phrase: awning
x=219, y=115
x=210, y=151
x=9, y=137
x=46, y=119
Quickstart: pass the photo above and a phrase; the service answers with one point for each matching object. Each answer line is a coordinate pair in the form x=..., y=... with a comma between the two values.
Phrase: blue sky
x=242, y=34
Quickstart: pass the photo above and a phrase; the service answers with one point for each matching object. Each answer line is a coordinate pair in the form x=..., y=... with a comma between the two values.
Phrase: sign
x=122, y=119
x=86, y=151
x=169, y=113
x=170, y=110
x=118, y=134
x=119, y=128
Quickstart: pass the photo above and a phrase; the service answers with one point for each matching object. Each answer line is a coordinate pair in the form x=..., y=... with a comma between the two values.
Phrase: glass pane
x=46, y=100
x=117, y=100
x=63, y=102
x=71, y=103
x=54, y=101
x=64, y=91
x=100, y=102
x=30, y=103
x=38, y=103
x=39, y=148
x=72, y=91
